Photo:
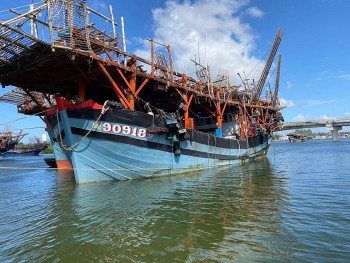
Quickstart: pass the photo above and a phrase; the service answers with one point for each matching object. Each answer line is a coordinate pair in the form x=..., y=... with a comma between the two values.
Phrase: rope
x=20, y=8
x=71, y=148
x=258, y=63
x=32, y=128
x=147, y=104
x=239, y=146
x=208, y=117
x=6, y=123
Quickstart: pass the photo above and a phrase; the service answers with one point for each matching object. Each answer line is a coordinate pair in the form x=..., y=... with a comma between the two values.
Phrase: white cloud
x=318, y=79
x=286, y=103
x=289, y=85
x=310, y=103
x=255, y=12
x=212, y=29
x=323, y=73
x=344, y=76
x=324, y=117
x=300, y=117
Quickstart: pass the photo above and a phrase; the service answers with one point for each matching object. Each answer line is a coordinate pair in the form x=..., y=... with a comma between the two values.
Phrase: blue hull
x=119, y=148
x=60, y=158
x=28, y=153
x=13, y=153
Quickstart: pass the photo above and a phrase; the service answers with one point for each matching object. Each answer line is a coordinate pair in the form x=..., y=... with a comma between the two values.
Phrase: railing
x=316, y=123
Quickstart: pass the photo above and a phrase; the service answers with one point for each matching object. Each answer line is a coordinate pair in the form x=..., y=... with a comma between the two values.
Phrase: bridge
x=333, y=125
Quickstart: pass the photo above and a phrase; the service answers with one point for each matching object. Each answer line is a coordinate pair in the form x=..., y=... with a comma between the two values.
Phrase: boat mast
x=277, y=82
x=259, y=86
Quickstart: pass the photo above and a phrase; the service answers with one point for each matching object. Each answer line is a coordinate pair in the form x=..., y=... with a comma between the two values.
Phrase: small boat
x=51, y=161
x=25, y=151
x=296, y=137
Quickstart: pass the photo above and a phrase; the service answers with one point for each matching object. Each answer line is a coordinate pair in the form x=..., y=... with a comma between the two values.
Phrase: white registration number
x=124, y=129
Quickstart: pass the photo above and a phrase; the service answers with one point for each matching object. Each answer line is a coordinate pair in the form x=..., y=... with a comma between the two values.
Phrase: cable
x=36, y=114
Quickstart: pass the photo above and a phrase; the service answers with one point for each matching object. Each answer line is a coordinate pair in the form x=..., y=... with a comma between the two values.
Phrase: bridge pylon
x=334, y=130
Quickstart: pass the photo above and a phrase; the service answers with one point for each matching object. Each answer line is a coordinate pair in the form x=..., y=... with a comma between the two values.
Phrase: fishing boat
x=8, y=140
x=113, y=115
x=25, y=151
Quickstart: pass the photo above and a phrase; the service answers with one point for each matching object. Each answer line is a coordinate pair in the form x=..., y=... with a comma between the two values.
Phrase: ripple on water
x=291, y=206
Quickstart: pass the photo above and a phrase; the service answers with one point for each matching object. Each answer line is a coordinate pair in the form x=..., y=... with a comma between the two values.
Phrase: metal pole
x=33, y=28
x=112, y=18
x=123, y=37
x=123, y=34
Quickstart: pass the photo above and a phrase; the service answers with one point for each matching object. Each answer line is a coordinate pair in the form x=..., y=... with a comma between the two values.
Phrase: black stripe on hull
x=159, y=146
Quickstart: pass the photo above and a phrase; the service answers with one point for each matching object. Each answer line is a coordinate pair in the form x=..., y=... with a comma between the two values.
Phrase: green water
x=293, y=206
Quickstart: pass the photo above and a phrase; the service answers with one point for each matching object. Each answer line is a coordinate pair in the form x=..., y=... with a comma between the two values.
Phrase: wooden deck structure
x=77, y=60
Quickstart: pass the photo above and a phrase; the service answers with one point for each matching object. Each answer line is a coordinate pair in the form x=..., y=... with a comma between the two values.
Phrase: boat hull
x=24, y=152
x=120, y=147
x=61, y=161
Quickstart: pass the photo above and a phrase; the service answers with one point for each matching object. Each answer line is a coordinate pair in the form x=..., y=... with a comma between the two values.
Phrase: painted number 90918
x=125, y=129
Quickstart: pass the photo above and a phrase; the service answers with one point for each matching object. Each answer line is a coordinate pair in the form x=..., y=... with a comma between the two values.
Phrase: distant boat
x=8, y=140
x=25, y=151
x=295, y=137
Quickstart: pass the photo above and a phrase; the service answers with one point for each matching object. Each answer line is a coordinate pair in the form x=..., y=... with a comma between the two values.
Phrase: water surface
x=293, y=206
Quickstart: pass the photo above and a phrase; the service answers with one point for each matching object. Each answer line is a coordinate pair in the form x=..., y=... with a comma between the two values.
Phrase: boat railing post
x=171, y=65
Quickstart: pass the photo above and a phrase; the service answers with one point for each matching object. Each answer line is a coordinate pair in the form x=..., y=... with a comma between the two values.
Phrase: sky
x=235, y=37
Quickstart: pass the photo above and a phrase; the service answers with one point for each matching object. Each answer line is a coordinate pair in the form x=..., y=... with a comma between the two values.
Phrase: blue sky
x=234, y=37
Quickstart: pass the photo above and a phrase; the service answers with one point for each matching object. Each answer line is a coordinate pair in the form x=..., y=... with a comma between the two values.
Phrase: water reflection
x=214, y=215
x=289, y=208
